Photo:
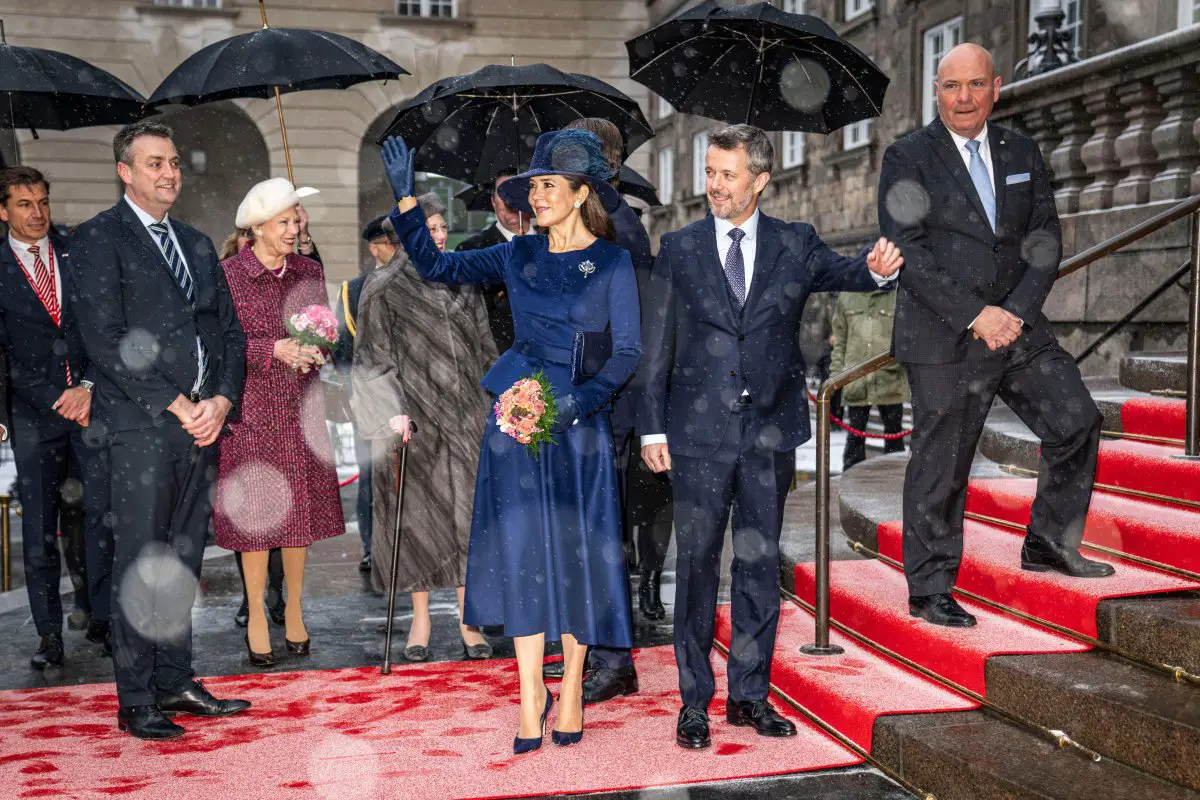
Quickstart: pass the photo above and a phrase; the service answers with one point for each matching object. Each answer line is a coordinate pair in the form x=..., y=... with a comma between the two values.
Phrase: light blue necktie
x=983, y=184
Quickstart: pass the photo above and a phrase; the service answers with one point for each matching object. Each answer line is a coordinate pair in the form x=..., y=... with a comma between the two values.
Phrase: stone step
x=1148, y=372
x=975, y=756
x=1119, y=709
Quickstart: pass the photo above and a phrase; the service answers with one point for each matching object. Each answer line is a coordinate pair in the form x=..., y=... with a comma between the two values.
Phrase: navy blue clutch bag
x=589, y=352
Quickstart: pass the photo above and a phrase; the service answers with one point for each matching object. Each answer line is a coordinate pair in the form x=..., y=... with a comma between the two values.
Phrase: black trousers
x=752, y=483
x=161, y=509
x=652, y=544
x=950, y=404
x=362, y=506
x=858, y=417
x=44, y=460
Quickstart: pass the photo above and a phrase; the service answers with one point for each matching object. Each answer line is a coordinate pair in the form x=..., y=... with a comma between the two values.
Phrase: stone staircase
x=1142, y=721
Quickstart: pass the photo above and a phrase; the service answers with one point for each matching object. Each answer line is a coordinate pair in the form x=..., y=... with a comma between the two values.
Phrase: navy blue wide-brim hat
x=572, y=154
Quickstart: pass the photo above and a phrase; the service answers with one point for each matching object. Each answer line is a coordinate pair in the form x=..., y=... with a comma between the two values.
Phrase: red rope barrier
x=865, y=434
x=348, y=481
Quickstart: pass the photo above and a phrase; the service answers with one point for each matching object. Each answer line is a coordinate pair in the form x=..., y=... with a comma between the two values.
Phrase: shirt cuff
x=654, y=438
x=882, y=280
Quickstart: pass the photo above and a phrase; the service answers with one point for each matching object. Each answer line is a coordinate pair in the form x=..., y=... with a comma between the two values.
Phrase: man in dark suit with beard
x=724, y=407
x=62, y=460
x=160, y=327
x=972, y=208
x=509, y=223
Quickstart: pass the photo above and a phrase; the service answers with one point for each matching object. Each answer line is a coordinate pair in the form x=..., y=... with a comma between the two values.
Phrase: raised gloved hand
x=568, y=413
x=398, y=163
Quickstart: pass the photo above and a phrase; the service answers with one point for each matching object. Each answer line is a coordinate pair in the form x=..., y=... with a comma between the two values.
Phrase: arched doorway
x=222, y=155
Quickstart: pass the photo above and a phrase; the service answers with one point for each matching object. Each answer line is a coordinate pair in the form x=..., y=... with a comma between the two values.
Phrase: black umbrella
x=630, y=182
x=471, y=126
x=756, y=64
x=273, y=61
x=55, y=91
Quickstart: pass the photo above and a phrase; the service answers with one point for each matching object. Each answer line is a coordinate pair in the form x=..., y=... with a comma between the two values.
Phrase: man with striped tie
x=51, y=384
x=161, y=329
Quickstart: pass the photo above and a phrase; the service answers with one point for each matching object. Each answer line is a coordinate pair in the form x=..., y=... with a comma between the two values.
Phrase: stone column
x=1135, y=148
x=1066, y=160
x=1099, y=153
x=1173, y=138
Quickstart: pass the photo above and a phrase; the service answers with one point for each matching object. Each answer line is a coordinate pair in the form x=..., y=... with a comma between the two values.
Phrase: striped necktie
x=174, y=261
x=43, y=284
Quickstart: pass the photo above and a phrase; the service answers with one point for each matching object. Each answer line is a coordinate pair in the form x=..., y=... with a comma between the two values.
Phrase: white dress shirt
x=147, y=220
x=505, y=232
x=25, y=258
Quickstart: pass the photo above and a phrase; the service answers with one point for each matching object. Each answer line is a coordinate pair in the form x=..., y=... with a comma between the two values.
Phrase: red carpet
x=1154, y=416
x=991, y=567
x=1165, y=533
x=871, y=598
x=427, y=731
x=847, y=691
x=1148, y=467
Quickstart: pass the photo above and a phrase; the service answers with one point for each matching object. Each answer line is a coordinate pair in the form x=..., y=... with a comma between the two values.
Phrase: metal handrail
x=1189, y=207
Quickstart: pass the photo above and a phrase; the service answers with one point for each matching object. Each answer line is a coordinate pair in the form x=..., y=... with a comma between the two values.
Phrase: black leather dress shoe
x=1038, y=555
x=553, y=670
x=604, y=684
x=49, y=652
x=940, y=609
x=199, y=702
x=759, y=715
x=364, y=566
x=691, y=731
x=649, y=597
x=147, y=722
x=100, y=632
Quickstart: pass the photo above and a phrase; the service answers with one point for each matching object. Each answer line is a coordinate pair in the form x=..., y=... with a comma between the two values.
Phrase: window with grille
x=938, y=41
x=793, y=149
x=699, y=152
x=666, y=175
x=1072, y=21
x=189, y=3
x=664, y=108
x=856, y=8
x=1189, y=13
x=856, y=135
x=438, y=9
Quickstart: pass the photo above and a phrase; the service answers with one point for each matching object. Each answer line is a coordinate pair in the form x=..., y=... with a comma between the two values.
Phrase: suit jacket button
x=741, y=337
x=733, y=373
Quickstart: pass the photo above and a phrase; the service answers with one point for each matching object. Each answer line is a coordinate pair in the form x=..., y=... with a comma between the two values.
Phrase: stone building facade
x=831, y=180
x=227, y=147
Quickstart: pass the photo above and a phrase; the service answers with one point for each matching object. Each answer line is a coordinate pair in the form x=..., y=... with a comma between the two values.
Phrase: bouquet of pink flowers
x=314, y=326
x=527, y=410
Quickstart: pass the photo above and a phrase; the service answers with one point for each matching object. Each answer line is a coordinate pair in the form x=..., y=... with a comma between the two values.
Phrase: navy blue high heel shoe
x=529, y=745
x=567, y=739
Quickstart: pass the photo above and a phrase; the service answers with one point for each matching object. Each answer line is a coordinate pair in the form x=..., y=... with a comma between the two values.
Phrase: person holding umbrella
x=722, y=317
x=546, y=559
x=422, y=348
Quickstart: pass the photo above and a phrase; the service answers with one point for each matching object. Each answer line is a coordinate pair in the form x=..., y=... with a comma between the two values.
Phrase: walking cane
x=400, y=449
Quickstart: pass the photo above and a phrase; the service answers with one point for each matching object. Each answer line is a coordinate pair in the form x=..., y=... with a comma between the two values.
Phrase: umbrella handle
x=401, y=451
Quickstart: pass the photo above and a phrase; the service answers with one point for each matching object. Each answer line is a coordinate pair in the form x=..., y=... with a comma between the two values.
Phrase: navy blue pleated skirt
x=546, y=553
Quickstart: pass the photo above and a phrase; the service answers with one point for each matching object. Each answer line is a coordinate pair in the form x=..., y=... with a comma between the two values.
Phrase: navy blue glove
x=568, y=413
x=398, y=163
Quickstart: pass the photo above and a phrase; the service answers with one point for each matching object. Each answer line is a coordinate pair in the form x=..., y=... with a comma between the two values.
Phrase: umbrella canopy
x=471, y=126
x=55, y=91
x=256, y=64
x=632, y=183
x=758, y=65
x=479, y=197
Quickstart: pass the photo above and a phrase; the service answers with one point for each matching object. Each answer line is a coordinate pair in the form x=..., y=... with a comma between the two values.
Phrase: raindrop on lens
x=447, y=139
x=804, y=84
x=907, y=202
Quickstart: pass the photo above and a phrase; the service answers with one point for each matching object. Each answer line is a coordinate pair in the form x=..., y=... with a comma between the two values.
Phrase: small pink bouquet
x=527, y=411
x=314, y=326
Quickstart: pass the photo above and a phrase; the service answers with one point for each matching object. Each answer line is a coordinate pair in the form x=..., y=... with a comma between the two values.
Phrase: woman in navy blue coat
x=546, y=558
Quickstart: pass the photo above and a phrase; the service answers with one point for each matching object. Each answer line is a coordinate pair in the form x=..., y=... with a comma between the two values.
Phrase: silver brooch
x=587, y=268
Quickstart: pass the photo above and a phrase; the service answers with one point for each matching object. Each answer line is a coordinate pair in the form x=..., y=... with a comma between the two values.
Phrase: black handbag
x=589, y=353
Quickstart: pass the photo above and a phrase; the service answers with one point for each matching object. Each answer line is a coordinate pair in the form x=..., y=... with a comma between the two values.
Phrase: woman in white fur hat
x=276, y=483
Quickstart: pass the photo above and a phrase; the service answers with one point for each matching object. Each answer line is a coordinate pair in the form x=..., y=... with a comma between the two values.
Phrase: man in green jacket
x=862, y=328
